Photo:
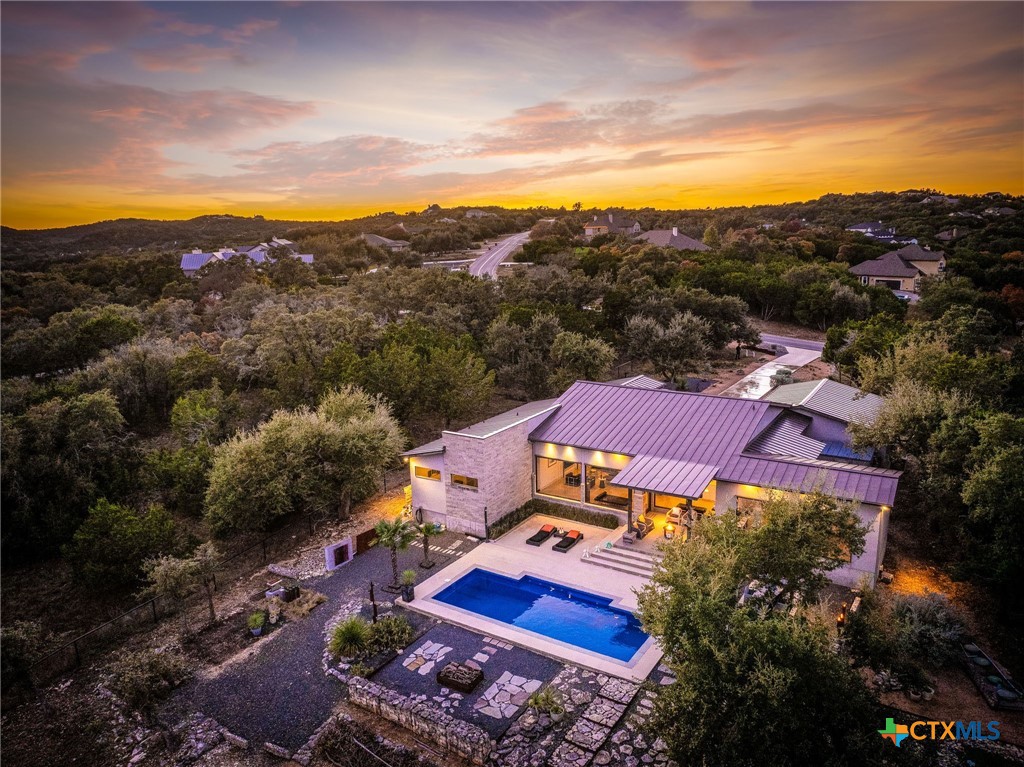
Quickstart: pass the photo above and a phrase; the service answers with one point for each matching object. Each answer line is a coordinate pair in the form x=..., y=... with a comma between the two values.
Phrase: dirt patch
x=813, y=371
x=728, y=372
x=956, y=698
x=786, y=329
x=221, y=640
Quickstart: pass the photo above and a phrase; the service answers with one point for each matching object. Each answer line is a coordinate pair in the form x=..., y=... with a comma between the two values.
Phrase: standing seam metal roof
x=680, y=441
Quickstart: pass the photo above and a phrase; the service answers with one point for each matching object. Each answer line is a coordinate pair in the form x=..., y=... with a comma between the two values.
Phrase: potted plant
x=549, y=702
x=913, y=694
x=408, y=585
x=927, y=692
x=257, y=621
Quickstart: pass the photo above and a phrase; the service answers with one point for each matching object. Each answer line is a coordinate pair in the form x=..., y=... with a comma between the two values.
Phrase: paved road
x=755, y=385
x=792, y=343
x=488, y=262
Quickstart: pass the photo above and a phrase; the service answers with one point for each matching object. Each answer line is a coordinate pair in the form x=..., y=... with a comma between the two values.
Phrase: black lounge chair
x=541, y=535
x=570, y=539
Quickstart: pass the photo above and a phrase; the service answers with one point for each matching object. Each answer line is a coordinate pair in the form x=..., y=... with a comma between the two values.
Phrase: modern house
x=395, y=246
x=611, y=223
x=901, y=269
x=477, y=213
x=262, y=253
x=670, y=238
x=632, y=450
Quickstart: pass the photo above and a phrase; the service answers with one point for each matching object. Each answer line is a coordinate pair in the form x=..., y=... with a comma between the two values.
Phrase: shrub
x=408, y=577
x=603, y=519
x=143, y=678
x=257, y=620
x=905, y=633
x=350, y=638
x=390, y=633
x=548, y=700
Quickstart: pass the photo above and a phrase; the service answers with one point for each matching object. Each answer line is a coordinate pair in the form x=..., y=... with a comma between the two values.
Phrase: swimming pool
x=558, y=612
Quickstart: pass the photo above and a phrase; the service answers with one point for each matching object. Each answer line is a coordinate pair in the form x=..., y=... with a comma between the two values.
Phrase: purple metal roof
x=850, y=481
x=195, y=260
x=786, y=437
x=666, y=475
x=680, y=441
x=698, y=429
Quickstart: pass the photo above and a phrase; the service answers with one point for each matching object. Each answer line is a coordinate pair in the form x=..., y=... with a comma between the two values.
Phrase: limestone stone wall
x=423, y=718
x=502, y=463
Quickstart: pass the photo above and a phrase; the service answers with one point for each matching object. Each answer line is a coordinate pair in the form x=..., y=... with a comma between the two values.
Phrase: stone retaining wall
x=424, y=718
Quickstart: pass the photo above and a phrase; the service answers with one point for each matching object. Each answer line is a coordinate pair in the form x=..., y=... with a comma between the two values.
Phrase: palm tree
x=428, y=530
x=396, y=535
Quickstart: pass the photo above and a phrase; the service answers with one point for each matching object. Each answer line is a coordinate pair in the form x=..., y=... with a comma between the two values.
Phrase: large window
x=424, y=473
x=601, y=491
x=464, y=481
x=562, y=479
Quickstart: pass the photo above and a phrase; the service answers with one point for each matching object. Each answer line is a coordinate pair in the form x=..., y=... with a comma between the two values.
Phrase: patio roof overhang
x=666, y=475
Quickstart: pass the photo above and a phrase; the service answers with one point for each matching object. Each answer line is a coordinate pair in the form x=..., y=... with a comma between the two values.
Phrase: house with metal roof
x=262, y=253
x=632, y=451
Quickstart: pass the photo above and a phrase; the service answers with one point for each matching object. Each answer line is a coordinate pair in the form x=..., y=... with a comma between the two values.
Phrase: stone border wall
x=424, y=718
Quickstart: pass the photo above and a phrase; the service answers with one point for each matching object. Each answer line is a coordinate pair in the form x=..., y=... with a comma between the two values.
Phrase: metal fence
x=70, y=655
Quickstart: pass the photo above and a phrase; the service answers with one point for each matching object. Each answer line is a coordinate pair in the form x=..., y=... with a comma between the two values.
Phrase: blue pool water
x=574, y=617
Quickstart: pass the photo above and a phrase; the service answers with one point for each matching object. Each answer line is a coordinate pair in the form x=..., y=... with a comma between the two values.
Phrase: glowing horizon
x=326, y=111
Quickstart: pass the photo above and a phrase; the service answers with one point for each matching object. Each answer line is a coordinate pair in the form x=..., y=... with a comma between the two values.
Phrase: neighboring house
x=1000, y=211
x=477, y=213
x=950, y=234
x=631, y=450
x=258, y=254
x=901, y=269
x=395, y=246
x=670, y=238
x=611, y=223
x=876, y=230
x=832, y=407
x=941, y=199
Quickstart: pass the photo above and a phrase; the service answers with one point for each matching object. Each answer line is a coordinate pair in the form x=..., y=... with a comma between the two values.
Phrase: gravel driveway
x=281, y=694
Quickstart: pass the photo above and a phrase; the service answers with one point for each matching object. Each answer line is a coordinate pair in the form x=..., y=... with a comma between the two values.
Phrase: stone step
x=611, y=563
x=632, y=555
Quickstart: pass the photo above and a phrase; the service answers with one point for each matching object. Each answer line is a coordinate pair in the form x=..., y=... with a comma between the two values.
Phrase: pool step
x=613, y=560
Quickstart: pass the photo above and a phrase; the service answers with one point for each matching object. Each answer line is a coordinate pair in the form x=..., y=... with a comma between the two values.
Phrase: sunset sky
x=331, y=110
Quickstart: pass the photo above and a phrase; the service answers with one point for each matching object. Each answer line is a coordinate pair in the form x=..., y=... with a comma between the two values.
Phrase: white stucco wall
x=428, y=494
x=852, y=574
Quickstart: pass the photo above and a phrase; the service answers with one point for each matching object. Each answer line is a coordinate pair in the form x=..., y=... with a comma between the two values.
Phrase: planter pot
x=927, y=693
x=914, y=695
x=408, y=593
x=291, y=594
x=556, y=716
x=256, y=632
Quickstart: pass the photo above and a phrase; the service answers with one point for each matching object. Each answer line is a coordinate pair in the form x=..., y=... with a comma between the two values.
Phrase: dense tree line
x=127, y=385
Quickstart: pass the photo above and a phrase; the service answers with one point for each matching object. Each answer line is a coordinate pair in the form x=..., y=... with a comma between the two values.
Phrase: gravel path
x=280, y=694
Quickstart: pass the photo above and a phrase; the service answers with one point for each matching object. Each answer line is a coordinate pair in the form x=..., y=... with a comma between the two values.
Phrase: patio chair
x=541, y=535
x=570, y=539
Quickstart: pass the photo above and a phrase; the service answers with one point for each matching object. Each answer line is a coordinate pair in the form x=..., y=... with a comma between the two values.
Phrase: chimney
x=675, y=231
x=611, y=218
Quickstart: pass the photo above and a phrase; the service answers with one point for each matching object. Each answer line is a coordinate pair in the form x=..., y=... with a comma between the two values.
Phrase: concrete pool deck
x=510, y=555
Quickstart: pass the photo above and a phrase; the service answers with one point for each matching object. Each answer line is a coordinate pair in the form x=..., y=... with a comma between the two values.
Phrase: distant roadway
x=499, y=254
x=792, y=343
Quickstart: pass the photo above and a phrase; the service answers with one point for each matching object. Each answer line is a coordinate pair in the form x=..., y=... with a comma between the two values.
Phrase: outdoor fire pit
x=459, y=677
